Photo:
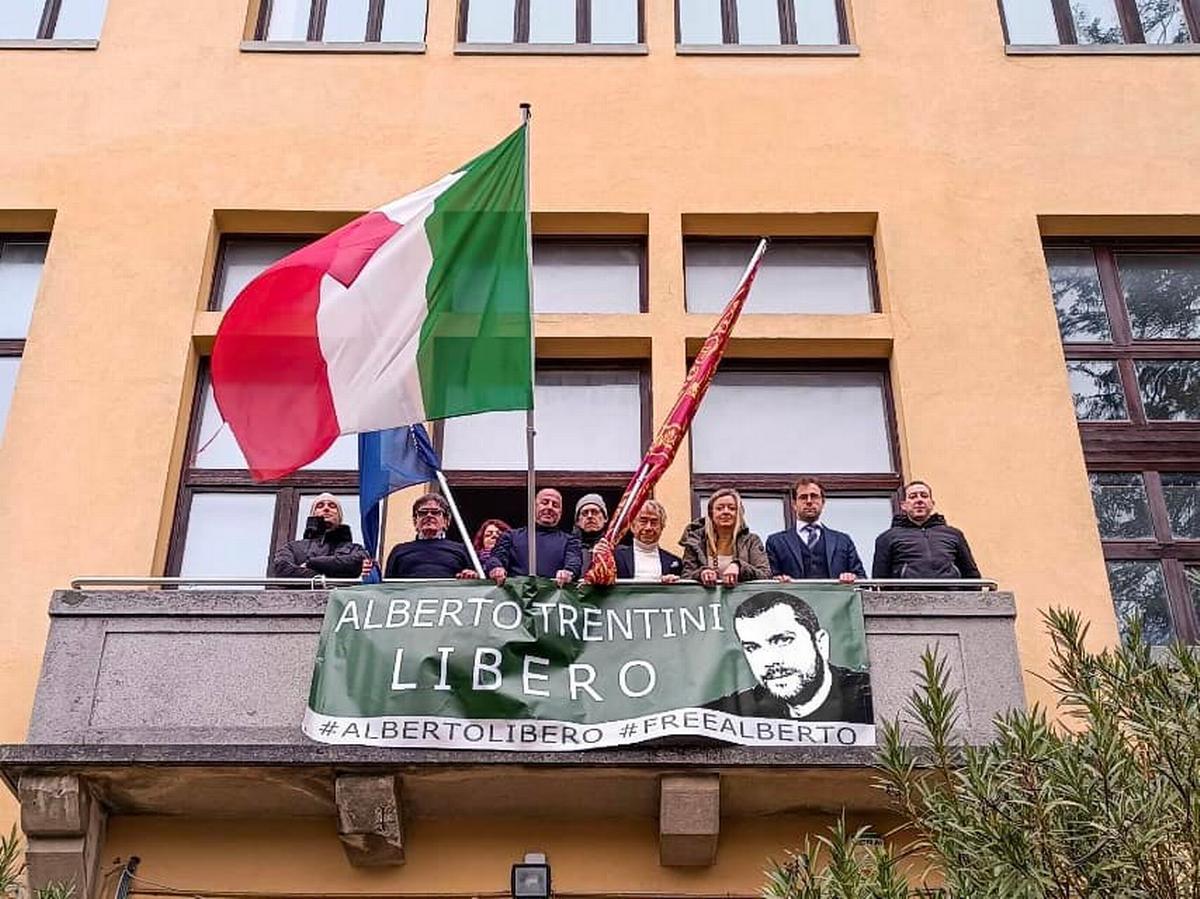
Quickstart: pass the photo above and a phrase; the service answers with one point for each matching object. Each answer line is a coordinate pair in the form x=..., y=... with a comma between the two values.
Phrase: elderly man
x=558, y=553
x=591, y=518
x=432, y=554
x=327, y=547
x=812, y=550
x=920, y=544
x=788, y=652
x=645, y=560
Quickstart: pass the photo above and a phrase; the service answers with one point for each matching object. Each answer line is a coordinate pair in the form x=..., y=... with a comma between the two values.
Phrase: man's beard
x=810, y=685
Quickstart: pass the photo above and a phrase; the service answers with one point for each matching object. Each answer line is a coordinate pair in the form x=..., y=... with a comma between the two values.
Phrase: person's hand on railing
x=498, y=574
x=562, y=577
x=367, y=565
x=468, y=574
x=847, y=577
x=669, y=579
x=729, y=577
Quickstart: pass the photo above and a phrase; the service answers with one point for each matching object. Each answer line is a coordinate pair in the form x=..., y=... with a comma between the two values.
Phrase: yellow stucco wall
x=948, y=147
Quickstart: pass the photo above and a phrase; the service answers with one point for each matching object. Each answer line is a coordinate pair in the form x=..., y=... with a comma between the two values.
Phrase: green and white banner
x=532, y=667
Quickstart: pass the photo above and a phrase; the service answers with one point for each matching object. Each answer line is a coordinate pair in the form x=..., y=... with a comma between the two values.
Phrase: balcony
x=188, y=703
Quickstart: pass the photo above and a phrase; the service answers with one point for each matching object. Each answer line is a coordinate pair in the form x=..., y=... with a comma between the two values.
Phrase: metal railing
x=323, y=583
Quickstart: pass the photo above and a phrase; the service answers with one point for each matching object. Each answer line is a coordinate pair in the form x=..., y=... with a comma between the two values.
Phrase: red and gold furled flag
x=658, y=458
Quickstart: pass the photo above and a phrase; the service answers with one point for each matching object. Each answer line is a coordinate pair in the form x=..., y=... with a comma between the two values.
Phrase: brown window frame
x=1138, y=445
x=779, y=485
x=751, y=242
x=287, y=490
x=787, y=23
x=1127, y=15
x=591, y=240
x=521, y=19
x=219, y=270
x=316, y=21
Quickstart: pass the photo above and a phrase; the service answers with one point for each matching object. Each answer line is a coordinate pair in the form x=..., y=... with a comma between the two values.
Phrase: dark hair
x=805, y=480
x=761, y=602
x=437, y=498
x=478, y=538
x=904, y=489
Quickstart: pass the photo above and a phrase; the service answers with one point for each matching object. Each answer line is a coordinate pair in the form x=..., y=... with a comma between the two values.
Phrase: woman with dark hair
x=489, y=532
x=719, y=546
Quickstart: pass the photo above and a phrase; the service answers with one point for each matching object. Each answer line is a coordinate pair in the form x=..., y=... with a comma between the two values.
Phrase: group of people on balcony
x=717, y=547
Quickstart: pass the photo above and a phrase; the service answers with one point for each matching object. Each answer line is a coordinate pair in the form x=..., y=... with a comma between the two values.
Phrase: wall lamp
x=531, y=877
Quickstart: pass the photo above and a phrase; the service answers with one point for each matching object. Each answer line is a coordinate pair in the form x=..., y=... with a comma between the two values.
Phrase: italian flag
x=418, y=310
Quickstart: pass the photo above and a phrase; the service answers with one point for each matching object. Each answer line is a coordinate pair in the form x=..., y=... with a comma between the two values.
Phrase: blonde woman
x=719, y=546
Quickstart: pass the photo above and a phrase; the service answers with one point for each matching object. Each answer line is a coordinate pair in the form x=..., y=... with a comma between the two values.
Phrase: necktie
x=811, y=533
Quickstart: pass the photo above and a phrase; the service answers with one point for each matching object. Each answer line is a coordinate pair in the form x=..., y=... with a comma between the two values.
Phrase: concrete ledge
x=1102, y=49
x=331, y=47
x=767, y=50
x=369, y=820
x=465, y=48
x=50, y=44
x=689, y=819
x=64, y=830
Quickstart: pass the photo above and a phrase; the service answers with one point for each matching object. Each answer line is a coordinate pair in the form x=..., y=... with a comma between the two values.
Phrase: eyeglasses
x=423, y=513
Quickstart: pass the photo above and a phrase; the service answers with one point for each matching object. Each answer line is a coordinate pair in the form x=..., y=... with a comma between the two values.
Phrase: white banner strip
x=533, y=735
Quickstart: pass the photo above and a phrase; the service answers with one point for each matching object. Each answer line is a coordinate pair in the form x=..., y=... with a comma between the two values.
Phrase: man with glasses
x=591, y=518
x=432, y=554
x=810, y=550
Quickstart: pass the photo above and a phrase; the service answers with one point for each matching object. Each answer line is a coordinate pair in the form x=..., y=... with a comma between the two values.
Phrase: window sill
x=463, y=48
x=1102, y=49
x=48, y=44
x=332, y=47
x=766, y=50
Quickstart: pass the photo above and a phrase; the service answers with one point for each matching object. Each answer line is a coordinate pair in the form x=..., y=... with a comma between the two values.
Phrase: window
x=593, y=425
x=550, y=21
x=1129, y=317
x=51, y=19
x=761, y=22
x=21, y=262
x=1101, y=21
x=813, y=276
x=242, y=259
x=589, y=275
x=343, y=21
x=754, y=432
x=226, y=525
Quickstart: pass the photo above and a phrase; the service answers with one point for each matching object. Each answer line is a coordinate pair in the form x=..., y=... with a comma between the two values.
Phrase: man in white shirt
x=644, y=560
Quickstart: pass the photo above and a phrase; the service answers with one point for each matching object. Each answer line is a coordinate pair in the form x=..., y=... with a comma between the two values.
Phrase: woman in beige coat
x=719, y=546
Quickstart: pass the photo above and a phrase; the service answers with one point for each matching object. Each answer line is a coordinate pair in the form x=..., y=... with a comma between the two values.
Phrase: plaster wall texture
x=953, y=147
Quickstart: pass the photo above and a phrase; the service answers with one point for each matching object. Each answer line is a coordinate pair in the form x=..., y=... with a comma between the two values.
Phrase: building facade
x=985, y=273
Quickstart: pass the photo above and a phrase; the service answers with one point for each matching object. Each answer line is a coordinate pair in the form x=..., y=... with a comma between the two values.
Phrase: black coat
x=332, y=553
x=556, y=550
x=786, y=552
x=671, y=564
x=849, y=700
x=427, y=559
x=931, y=549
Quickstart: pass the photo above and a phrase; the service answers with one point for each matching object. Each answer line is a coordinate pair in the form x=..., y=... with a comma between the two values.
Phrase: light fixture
x=531, y=877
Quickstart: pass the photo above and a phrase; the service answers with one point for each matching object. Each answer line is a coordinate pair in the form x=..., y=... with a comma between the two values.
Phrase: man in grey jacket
x=327, y=547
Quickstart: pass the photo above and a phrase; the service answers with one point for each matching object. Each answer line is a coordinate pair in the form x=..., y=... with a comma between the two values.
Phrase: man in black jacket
x=788, y=651
x=559, y=554
x=432, y=554
x=327, y=547
x=920, y=544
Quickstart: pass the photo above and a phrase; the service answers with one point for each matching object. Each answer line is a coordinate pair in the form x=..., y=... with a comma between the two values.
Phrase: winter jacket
x=438, y=557
x=748, y=552
x=332, y=553
x=556, y=550
x=789, y=555
x=931, y=549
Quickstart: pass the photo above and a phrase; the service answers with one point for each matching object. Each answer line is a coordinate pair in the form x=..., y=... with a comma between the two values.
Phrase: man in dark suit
x=811, y=551
x=788, y=651
x=645, y=560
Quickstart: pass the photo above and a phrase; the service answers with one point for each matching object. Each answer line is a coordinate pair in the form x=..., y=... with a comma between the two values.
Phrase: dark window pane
x=1138, y=588
x=19, y=19
x=1097, y=22
x=1030, y=22
x=587, y=277
x=1183, y=504
x=1163, y=21
x=20, y=273
x=403, y=20
x=246, y=259
x=345, y=20
x=700, y=22
x=1170, y=389
x=551, y=22
x=8, y=383
x=1096, y=389
x=1193, y=578
x=758, y=22
x=228, y=535
x=614, y=21
x=80, y=19
x=1122, y=511
x=289, y=20
x=1075, y=285
x=1163, y=294
x=490, y=21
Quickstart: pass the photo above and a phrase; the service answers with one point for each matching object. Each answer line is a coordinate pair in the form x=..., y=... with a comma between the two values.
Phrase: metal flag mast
x=530, y=431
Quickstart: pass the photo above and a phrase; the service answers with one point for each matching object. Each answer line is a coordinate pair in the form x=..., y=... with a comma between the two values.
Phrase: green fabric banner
x=530, y=666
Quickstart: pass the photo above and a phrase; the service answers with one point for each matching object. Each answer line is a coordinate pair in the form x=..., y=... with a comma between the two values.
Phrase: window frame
x=194, y=480
x=1127, y=15
x=751, y=242
x=787, y=25
x=763, y=486
x=521, y=22
x=14, y=347
x=591, y=240
x=316, y=22
x=219, y=270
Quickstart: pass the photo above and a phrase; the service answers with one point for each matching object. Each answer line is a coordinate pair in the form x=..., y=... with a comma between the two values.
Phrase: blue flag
x=387, y=461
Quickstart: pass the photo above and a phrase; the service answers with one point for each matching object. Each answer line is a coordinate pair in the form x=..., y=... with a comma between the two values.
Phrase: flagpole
x=462, y=528
x=379, y=548
x=530, y=431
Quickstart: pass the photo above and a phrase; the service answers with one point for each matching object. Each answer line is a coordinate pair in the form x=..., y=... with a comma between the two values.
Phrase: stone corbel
x=370, y=823
x=64, y=832
x=689, y=819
